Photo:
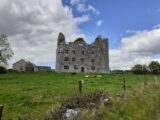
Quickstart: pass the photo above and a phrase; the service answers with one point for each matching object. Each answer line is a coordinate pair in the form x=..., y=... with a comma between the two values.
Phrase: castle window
x=73, y=51
x=66, y=59
x=66, y=67
x=82, y=52
x=66, y=51
x=92, y=68
x=73, y=59
x=92, y=60
x=80, y=45
x=60, y=50
x=82, y=59
x=92, y=52
x=75, y=67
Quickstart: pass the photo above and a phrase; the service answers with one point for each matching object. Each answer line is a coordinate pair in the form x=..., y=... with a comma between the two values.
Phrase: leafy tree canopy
x=5, y=50
x=139, y=69
x=154, y=66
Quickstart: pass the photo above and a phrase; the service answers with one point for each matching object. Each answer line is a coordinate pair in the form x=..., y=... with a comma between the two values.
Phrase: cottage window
x=21, y=68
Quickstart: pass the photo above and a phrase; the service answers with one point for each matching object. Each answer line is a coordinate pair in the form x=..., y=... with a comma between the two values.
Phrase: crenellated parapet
x=99, y=41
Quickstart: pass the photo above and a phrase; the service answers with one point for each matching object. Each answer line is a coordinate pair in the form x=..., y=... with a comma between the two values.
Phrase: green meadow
x=31, y=95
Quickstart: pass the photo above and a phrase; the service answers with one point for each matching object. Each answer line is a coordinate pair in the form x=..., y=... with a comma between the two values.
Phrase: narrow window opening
x=66, y=67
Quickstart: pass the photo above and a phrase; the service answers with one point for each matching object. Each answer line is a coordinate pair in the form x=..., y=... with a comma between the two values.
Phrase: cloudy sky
x=132, y=26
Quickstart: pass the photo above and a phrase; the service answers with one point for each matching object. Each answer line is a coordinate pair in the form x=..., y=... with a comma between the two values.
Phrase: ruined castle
x=78, y=56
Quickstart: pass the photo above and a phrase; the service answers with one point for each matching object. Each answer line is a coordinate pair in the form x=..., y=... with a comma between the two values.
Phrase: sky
x=132, y=27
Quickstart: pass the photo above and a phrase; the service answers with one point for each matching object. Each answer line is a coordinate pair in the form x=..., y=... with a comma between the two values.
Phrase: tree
x=30, y=67
x=5, y=50
x=139, y=69
x=154, y=67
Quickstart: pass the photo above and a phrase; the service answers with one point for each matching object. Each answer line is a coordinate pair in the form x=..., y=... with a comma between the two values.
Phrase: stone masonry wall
x=78, y=56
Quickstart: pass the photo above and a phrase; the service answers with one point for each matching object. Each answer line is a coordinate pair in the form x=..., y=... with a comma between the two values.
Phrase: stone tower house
x=78, y=56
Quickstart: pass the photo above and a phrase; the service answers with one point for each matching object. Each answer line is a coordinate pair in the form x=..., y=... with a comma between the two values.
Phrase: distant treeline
x=152, y=68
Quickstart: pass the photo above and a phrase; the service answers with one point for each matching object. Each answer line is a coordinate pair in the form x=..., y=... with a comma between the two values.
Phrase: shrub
x=12, y=71
x=80, y=101
x=139, y=69
x=3, y=69
x=73, y=73
x=117, y=71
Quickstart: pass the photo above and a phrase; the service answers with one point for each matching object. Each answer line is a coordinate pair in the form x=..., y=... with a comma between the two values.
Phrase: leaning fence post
x=1, y=110
x=124, y=86
x=145, y=83
x=80, y=87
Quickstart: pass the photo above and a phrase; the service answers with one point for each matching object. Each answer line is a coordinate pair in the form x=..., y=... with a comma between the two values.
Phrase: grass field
x=32, y=95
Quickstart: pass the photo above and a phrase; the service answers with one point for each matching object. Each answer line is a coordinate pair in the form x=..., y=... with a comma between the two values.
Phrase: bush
x=139, y=69
x=73, y=73
x=117, y=71
x=12, y=71
x=3, y=69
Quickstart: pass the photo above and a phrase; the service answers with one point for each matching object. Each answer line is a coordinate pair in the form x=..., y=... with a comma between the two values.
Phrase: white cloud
x=146, y=42
x=32, y=27
x=99, y=23
x=142, y=47
x=83, y=7
x=93, y=9
x=132, y=31
x=157, y=26
x=74, y=2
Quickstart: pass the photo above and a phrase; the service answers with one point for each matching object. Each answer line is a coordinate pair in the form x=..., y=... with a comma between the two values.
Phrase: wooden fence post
x=80, y=87
x=1, y=110
x=124, y=86
x=156, y=80
x=145, y=83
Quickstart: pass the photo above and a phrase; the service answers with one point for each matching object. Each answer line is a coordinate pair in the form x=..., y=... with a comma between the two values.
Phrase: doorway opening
x=82, y=69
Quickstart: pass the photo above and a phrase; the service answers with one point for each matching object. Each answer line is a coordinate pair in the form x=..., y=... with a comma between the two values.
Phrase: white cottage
x=23, y=66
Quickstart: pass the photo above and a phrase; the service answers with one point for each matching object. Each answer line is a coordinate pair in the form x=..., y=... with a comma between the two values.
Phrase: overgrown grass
x=31, y=95
x=142, y=105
